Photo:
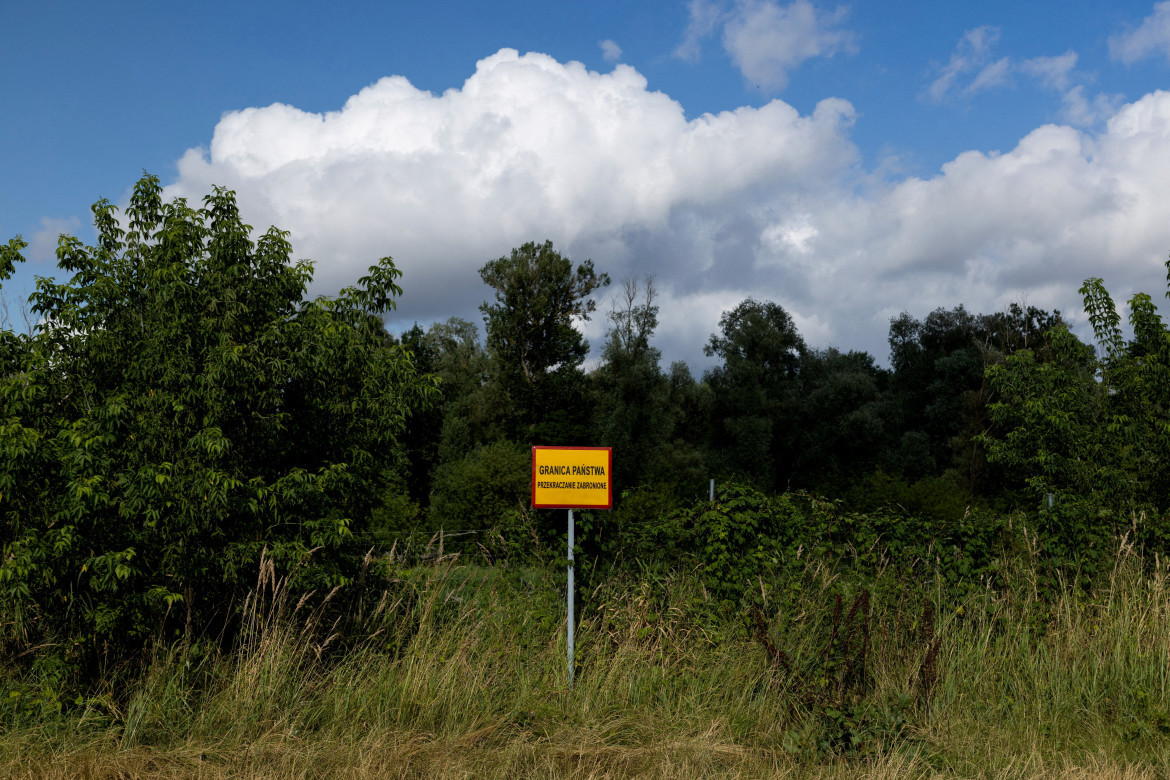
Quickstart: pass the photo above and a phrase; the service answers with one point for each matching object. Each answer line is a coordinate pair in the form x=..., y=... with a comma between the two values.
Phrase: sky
x=849, y=162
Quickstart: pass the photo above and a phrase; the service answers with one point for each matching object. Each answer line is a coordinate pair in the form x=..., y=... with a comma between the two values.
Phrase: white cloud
x=766, y=40
x=610, y=51
x=528, y=148
x=754, y=202
x=1149, y=39
x=1033, y=222
x=993, y=75
x=1059, y=73
x=971, y=54
x=1082, y=111
x=1052, y=72
x=704, y=19
x=42, y=246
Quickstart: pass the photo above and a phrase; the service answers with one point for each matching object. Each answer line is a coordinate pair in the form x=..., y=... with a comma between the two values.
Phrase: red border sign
x=563, y=497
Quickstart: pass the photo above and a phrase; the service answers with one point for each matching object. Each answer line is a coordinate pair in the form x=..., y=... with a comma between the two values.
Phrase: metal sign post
x=572, y=592
x=572, y=478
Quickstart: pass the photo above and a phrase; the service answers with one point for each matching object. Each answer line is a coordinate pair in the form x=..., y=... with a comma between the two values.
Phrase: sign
x=572, y=477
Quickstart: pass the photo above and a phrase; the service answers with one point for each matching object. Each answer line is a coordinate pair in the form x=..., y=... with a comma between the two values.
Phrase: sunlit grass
x=462, y=673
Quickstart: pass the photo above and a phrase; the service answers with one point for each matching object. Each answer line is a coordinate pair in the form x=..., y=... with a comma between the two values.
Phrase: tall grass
x=460, y=671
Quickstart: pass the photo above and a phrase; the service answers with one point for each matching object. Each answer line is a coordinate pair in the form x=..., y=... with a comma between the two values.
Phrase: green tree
x=180, y=408
x=633, y=410
x=755, y=389
x=936, y=363
x=535, y=346
x=1091, y=430
x=938, y=393
x=842, y=423
x=1107, y=432
x=471, y=403
x=468, y=414
x=1052, y=426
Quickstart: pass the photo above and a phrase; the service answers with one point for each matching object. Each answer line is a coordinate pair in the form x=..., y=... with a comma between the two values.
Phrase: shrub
x=180, y=408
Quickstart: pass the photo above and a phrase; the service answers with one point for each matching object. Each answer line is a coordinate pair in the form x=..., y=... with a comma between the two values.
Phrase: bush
x=179, y=409
x=480, y=489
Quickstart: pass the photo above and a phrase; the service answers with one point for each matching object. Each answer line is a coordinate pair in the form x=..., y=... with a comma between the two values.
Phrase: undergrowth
x=460, y=671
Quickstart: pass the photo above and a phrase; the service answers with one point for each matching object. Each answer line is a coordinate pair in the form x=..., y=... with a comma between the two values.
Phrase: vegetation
x=248, y=534
x=180, y=409
x=461, y=673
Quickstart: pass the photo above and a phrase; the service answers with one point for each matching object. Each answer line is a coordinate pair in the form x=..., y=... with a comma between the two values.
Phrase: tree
x=633, y=409
x=1088, y=433
x=478, y=490
x=179, y=409
x=755, y=390
x=938, y=390
x=470, y=401
x=1091, y=426
x=936, y=362
x=468, y=414
x=842, y=422
x=536, y=349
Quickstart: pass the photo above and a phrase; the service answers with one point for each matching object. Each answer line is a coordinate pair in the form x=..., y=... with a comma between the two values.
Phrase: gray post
x=712, y=491
x=571, y=589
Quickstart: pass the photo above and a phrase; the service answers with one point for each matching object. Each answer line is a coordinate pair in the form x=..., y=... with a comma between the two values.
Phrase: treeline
x=773, y=412
x=183, y=411
x=982, y=425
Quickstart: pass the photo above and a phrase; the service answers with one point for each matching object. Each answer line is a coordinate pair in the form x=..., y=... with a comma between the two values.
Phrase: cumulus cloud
x=1030, y=223
x=528, y=148
x=761, y=202
x=767, y=40
x=610, y=51
x=1150, y=38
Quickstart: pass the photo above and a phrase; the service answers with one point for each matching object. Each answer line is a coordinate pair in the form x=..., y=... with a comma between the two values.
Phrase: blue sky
x=848, y=161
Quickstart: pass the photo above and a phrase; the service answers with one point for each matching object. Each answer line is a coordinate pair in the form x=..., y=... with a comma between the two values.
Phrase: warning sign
x=572, y=477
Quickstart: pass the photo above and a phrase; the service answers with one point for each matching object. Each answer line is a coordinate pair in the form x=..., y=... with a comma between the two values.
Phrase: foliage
x=464, y=369
x=179, y=409
x=754, y=388
x=634, y=414
x=938, y=390
x=1053, y=427
x=462, y=674
x=1089, y=432
x=738, y=536
x=535, y=347
x=646, y=529
x=1092, y=425
x=470, y=412
x=941, y=499
x=747, y=535
x=480, y=489
x=842, y=420
x=514, y=540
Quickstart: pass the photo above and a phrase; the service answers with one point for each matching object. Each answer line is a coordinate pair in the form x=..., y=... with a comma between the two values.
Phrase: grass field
x=459, y=671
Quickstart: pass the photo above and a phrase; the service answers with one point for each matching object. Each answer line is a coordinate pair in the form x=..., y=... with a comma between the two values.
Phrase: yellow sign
x=572, y=477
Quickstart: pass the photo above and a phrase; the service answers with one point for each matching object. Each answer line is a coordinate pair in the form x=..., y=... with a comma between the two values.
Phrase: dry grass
x=463, y=677
x=397, y=756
